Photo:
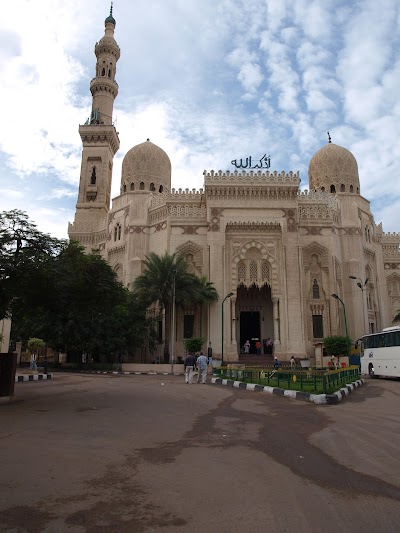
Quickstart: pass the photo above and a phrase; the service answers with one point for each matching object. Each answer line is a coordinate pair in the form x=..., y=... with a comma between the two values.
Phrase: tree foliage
x=336, y=345
x=86, y=310
x=25, y=254
x=397, y=317
x=193, y=345
x=72, y=300
x=156, y=286
x=34, y=344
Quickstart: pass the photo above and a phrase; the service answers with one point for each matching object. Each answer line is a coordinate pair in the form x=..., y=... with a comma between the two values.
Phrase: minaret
x=100, y=141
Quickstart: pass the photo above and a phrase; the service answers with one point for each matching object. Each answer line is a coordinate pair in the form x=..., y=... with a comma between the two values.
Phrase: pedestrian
x=202, y=368
x=292, y=363
x=333, y=366
x=33, y=362
x=189, y=365
x=270, y=345
x=258, y=347
x=247, y=346
x=277, y=363
x=209, y=354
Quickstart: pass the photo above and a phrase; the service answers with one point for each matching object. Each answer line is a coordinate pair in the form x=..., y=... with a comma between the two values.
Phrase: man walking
x=202, y=368
x=189, y=364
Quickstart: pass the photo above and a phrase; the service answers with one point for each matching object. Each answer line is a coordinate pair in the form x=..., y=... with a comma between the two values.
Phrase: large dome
x=334, y=169
x=146, y=167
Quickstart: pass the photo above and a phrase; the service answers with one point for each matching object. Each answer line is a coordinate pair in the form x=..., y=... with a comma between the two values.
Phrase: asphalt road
x=88, y=453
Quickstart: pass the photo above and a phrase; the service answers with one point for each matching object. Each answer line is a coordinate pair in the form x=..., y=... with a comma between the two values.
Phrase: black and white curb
x=130, y=373
x=19, y=378
x=319, y=399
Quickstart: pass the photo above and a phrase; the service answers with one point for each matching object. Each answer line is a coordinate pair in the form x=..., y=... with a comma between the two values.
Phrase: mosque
x=275, y=254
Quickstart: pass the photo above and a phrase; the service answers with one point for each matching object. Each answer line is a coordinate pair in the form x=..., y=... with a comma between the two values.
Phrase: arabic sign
x=264, y=162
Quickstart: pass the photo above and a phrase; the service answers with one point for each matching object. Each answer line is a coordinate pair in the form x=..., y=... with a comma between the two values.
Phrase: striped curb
x=19, y=378
x=319, y=399
x=129, y=373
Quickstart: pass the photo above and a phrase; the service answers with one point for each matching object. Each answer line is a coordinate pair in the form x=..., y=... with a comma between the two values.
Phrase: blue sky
x=206, y=80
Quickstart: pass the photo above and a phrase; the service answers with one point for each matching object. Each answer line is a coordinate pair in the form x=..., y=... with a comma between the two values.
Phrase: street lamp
x=222, y=325
x=362, y=284
x=345, y=323
x=173, y=322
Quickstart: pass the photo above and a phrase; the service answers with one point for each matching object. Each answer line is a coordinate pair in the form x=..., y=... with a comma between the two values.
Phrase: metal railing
x=308, y=380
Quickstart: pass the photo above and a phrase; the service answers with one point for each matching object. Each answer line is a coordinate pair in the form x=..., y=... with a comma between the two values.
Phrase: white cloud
x=206, y=81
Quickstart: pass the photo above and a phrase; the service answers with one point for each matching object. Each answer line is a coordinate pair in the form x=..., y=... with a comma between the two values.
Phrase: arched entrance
x=254, y=316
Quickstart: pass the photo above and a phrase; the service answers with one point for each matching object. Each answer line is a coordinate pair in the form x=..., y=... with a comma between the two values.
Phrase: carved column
x=275, y=308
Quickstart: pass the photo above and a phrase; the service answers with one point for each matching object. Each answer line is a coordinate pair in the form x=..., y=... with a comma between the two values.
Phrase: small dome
x=110, y=18
x=146, y=167
x=334, y=169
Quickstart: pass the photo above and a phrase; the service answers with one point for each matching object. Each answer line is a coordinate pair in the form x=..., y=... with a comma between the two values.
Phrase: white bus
x=380, y=353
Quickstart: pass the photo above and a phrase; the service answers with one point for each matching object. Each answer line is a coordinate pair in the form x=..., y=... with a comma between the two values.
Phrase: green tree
x=336, y=345
x=155, y=286
x=193, y=345
x=397, y=317
x=86, y=310
x=34, y=344
x=25, y=254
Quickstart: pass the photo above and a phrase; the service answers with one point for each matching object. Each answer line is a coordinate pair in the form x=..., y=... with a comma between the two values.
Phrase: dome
x=334, y=169
x=111, y=19
x=146, y=167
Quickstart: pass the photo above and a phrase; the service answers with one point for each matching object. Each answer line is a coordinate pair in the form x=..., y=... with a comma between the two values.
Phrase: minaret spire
x=100, y=140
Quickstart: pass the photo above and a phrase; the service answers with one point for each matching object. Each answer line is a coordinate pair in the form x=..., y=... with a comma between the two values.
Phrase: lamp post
x=362, y=285
x=173, y=322
x=222, y=326
x=345, y=323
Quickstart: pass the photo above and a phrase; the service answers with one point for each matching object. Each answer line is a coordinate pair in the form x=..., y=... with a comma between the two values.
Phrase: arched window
x=323, y=189
x=103, y=71
x=141, y=186
x=161, y=188
x=333, y=188
x=342, y=188
x=265, y=271
x=357, y=190
x=241, y=271
x=351, y=188
x=93, y=176
x=124, y=187
x=132, y=186
x=109, y=73
x=253, y=271
x=119, y=232
x=366, y=233
x=115, y=233
x=315, y=290
x=369, y=236
x=152, y=187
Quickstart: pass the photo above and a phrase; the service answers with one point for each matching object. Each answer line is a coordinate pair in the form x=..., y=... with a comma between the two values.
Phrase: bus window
x=396, y=338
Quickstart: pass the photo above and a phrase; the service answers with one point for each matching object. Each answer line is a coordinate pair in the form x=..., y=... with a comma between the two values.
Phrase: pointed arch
x=315, y=249
x=267, y=271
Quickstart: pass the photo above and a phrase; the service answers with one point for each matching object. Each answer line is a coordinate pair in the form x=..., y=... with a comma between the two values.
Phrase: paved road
x=128, y=454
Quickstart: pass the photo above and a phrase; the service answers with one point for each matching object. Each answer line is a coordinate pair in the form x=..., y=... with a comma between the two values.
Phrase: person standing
x=270, y=345
x=258, y=347
x=33, y=362
x=209, y=354
x=189, y=365
x=202, y=368
x=292, y=363
x=247, y=346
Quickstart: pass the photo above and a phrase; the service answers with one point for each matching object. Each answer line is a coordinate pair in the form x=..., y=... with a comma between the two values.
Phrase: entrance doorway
x=250, y=328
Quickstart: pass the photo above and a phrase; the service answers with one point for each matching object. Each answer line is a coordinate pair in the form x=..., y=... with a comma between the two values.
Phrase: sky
x=208, y=81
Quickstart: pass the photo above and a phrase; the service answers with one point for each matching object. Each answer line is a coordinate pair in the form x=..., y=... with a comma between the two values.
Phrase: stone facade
x=280, y=251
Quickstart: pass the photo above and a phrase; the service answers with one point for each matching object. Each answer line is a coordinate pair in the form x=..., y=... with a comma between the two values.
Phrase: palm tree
x=155, y=285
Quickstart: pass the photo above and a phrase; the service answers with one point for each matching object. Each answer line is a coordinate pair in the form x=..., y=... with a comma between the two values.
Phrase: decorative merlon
x=259, y=177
